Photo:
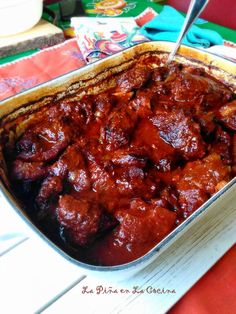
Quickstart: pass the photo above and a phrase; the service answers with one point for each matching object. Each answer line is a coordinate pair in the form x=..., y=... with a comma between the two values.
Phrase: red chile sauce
x=109, y=176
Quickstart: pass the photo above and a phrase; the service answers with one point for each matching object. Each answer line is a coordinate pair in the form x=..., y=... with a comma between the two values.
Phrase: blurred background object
x=50, y=1
x=17, y=16
x=221, y=12
x=22, y=27
x=69, y=8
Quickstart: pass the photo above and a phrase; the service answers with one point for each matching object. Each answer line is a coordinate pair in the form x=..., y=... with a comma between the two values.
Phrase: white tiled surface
x=35, y=279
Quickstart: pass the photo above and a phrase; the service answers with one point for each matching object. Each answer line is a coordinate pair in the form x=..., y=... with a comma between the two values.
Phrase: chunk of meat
x=82, y=221
x=142, y=103
x=91, y=147
x=160, y=74
x=191, y=197
x=133, y=78
x=181, y=132
x=195, y=71
x=79, y=218
x=133, y=182
x=121, y=179
x=160, y=202
x=207, y=173
x=227, y=115
x=127, y=157
x=119, y=128
x=170, y=197
x=78, y=112
x=142, y=224
x=147, y=138
x=207, y=124
x=161, y=97
x=101, y=180
x=85, y=105
x=49, y=192
x=187, y=88
x=222, y=145
x=199, y=180
x=80, y=180
x=32, y=171
x=71, y=166
x=121, y=98
x=44, y=141
x=167, y=177
x=70, y=160
x=103, y=104
x=103, y=183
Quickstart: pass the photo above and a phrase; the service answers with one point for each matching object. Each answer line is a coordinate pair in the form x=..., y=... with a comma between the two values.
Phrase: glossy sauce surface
x=110, y=175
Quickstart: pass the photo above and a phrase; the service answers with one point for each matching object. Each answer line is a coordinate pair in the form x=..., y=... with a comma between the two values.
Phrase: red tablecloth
x=45, y=65
x=216, y=291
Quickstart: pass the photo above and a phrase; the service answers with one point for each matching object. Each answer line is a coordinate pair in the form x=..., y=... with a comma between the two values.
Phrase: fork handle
x=195, y=9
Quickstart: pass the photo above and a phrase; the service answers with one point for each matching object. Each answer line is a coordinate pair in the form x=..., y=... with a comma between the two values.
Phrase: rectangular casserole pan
x=95, y=78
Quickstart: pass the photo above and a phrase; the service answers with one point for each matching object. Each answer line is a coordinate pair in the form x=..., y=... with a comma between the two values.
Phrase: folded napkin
x=101, y=37
x=167, y=25
x=47, y=64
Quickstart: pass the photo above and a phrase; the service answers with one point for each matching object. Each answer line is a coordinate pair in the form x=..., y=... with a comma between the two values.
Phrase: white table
x=36, y=279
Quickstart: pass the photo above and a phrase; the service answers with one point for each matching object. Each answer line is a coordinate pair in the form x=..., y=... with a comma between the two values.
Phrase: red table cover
x=215, y=292
x=38, y=68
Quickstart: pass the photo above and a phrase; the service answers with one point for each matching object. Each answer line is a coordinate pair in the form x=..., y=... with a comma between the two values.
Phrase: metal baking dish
x=83, y=81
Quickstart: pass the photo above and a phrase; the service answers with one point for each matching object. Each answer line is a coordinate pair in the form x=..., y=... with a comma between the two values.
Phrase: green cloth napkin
x=167, y=26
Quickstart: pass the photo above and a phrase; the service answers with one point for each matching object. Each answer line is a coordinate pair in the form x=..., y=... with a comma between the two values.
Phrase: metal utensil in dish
x=195, y=9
